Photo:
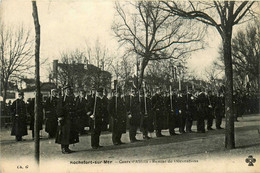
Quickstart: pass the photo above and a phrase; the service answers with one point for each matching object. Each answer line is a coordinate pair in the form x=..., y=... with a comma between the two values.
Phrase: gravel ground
x=193, y=152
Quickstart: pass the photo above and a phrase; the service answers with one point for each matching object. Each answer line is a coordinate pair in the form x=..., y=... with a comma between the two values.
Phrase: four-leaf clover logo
x=250, y=160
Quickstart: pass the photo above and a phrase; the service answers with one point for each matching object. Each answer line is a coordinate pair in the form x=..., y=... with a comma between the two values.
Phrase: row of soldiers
x=67, y=116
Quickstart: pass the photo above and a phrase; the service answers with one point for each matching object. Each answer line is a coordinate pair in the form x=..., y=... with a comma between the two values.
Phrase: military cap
x=100, y=90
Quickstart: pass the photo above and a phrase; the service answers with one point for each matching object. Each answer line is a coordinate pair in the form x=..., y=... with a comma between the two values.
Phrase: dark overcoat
x=147, y=118
x=81, y=111
x=32, y=114
x=67, y=131
x=51, y=118
x=135, y=111
x=19, y=127
x=118, y=116
x=158, y=108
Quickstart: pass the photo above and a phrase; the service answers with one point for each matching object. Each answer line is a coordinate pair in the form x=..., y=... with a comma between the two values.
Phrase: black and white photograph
x=129, y=86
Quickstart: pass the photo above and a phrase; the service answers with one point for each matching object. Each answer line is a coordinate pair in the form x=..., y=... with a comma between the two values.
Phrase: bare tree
x=223, y=15
x=15, y=54
x=99, y=55
x=70, y=72
x=213, y=75
x=152, y=33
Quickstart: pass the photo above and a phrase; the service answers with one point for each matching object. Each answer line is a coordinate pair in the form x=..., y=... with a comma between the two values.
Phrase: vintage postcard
x=129, y=86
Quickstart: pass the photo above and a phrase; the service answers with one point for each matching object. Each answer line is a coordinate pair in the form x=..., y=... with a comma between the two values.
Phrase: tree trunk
x=229, y=133
x=37, y=82
x=144, y=64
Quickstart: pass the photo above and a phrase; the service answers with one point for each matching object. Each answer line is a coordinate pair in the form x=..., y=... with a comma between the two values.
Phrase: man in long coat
x=67, y=130
x=181, y=110
x=158, y=107
x=219, y=110
x=99, y=114
x=134, y=116
x=50, y=106
x=81, y=109
x=30, y=109
x=202, y=110
x=147, y=115
x=117, y=111
x=18, y=109
x=210, y=110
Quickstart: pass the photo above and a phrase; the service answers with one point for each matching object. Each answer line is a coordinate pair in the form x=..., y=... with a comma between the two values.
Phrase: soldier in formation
x=134, y=115
x=81, y=111
x=67, y=115
x=118, y=113
x=158, y=108
x=30, y=109
x=51, y=118
x=67, y=127
x=98, y=117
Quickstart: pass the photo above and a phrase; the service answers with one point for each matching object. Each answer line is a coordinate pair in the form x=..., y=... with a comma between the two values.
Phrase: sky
x=70, y=24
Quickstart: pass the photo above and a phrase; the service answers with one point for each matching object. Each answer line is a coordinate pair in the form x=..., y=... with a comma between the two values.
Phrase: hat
x=54, y=90
x=21, y=93
x=100, y=90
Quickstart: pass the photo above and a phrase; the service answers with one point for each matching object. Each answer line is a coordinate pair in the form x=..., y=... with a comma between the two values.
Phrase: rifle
x=130, y=99
x=116, y=101
x=145, y=105
x=171, y=97
x=94, y=111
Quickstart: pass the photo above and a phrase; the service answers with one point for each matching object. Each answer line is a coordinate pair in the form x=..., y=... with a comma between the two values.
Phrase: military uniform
x=158, y=107
x=31, y=112
x=201, y=112
x=147, y=117
x=181, y=112
x=210, y=110
x=97, y=119
x=219, y=111
x=81, y=111
x=19, y=127
x=67, y=130
x=190, y=110
x=51, y=122
x=172, y=117
x=134, y=116
x=117, y=111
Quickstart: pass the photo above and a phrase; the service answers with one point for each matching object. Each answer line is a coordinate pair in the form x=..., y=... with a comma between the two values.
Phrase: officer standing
x=51, y=114
x=117, y=111
x=170, y=104
x=81, y=109
x=190, y=111
x=19, y=127
x=134, y=116
x=147, y=115
x=158, y=105
x=201, y=112
x=210, y=108
x=219, y=110
x=98, y=114
x=181, y=106
x=31, y=112
x=67, y=132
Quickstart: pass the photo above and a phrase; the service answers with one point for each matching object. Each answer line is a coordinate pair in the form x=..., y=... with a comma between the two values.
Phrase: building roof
x=46, y=86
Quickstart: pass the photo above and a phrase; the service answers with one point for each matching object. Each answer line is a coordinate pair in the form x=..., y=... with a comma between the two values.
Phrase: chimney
x=55, y=71
x=49, y=78
x=55, y=68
